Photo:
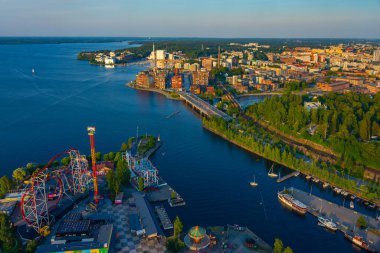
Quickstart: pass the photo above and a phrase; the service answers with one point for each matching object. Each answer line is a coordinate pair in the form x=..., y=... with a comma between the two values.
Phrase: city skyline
x=169, y=18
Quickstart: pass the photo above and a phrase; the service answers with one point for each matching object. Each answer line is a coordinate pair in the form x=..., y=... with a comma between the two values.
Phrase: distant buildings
x=144, y=79
x=207, y=63
x=334, y=86
x=160, y=80
x=177, y=81
x=348, y=68
x=376, y=55
x=109, y=61
x=200, y=77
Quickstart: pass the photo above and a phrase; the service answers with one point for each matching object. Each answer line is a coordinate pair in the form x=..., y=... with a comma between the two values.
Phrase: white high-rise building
x=160, y=54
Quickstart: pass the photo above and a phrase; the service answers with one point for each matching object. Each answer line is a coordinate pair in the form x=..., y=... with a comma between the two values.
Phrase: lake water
x=48, y=112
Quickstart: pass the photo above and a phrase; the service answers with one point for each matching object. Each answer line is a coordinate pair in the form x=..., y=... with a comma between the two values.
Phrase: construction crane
x=91, y=133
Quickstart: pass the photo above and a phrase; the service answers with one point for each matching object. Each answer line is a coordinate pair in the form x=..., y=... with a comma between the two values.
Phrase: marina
x=344, y=218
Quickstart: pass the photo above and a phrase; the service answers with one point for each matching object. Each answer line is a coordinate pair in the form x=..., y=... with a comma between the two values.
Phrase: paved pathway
x=126, y=241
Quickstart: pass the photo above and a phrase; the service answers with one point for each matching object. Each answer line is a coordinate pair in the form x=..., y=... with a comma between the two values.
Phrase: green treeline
x=192, y=48
x=343, y=122
x=247, y=135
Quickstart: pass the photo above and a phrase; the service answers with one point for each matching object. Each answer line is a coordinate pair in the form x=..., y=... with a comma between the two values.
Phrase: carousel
x=197, y=239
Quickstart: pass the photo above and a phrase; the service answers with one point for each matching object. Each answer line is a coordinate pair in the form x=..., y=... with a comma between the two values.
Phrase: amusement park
x=62, y=207
x=116, y=202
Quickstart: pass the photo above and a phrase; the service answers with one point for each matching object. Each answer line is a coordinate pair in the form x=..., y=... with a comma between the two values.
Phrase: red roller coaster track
x=34, y=201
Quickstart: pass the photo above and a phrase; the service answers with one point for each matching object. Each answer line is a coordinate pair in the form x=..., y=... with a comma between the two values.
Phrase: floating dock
x=164, y=218
x=293, y=174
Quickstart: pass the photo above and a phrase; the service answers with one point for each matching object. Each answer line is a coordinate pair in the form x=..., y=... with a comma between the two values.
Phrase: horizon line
x=180, y=37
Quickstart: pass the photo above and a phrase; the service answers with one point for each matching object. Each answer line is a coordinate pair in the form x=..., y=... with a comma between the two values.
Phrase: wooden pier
x=164, y=218
x=293, y=174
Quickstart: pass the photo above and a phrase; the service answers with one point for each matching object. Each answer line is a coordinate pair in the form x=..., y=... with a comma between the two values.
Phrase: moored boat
x=293, y=203
x=253, y=183
x=352, y=204
x=360, y=242
x=271, y=172
x=308, y=177
x=329, y=224
x=325, y=185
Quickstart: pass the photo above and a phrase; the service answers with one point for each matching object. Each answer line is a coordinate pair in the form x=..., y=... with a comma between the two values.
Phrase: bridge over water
x=202, y=106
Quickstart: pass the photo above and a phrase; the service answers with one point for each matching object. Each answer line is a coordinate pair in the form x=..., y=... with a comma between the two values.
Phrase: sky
x=192, y=18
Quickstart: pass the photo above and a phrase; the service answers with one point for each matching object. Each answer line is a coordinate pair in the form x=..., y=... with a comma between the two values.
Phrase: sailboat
x=271, y=172
x=352, y=205
x=32, y=71
x=253, y=183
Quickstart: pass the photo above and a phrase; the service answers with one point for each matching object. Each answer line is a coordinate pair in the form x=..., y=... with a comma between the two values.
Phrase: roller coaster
x=48, y=185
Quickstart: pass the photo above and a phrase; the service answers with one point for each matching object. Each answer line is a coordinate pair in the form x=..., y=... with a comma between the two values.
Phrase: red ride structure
x=37, y=200
x=91, y=133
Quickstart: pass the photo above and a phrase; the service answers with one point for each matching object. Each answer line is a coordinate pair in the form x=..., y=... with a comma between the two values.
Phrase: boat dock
x=345, y=218
x=293, y=174
x=164, y=218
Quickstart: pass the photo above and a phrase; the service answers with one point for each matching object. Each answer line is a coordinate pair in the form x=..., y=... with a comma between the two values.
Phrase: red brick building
x=201, y=77
x=335, y=86
x=177, y=82
x=207, y=64
x=210, y=90
x=144, y=79
x=195, y=89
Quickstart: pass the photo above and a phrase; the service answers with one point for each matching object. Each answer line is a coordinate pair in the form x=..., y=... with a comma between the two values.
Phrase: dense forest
x=348, y=123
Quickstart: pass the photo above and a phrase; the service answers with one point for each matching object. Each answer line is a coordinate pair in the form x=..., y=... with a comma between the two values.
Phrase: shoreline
x=287, y=166
x=162, y=92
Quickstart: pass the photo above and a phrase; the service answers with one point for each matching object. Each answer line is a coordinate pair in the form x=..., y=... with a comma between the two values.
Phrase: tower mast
x=155, y=55
x=218, y=57
x=91, y=133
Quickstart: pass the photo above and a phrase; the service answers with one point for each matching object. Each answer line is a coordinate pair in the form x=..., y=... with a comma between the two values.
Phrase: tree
x=30, y=167
x=288, y=250
x=363, y=130
x=375, y=129
x=278, y=246
x=113, y=182
x=31, y=246
x=178, y=227
x=111, y=155
x=141, y=184
x=123, y=147
x=5, y=185
x=65, y=161
x=122, y=172
x=98, y=156
x=174, y=245
x=361, y=222
x=19, y=174
x=7, y=237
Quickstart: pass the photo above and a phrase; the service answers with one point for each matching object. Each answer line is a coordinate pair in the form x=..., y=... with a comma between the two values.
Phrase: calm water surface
x=47, y=113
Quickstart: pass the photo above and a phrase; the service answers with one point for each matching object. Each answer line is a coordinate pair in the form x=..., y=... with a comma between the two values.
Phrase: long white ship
x=293, y=203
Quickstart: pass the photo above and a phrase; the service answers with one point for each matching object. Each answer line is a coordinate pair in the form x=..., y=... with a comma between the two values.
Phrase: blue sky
x=191, y=18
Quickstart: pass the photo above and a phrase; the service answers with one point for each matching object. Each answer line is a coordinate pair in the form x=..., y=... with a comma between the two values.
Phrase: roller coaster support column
x=91, y=132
